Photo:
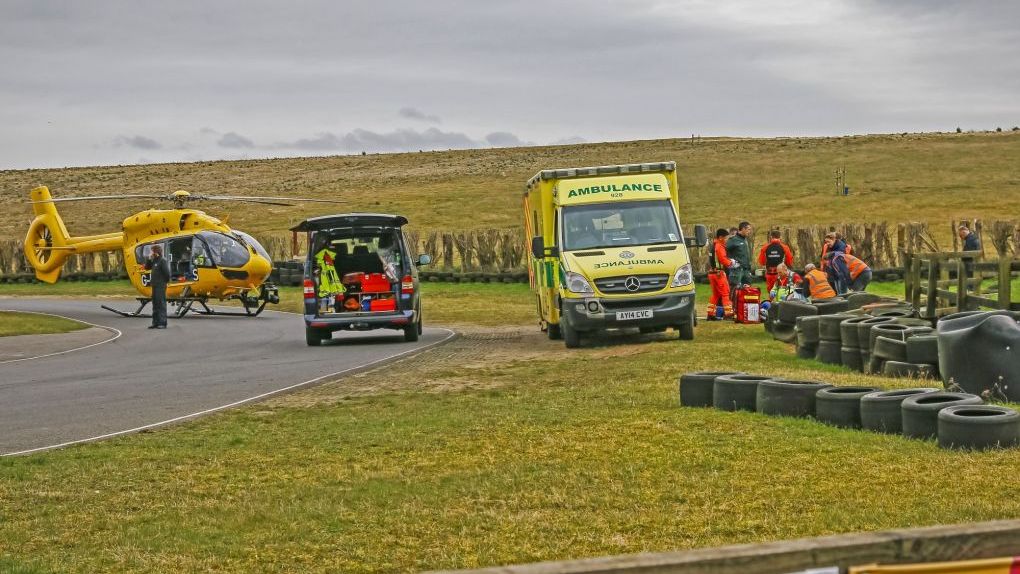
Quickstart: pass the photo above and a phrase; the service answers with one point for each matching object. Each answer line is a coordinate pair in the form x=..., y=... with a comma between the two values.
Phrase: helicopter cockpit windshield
x=253, y=243
x=225, y=250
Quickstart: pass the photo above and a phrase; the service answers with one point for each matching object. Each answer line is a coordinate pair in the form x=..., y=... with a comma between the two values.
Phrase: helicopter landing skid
x=180, y=307
x=249, y=311
x=137, y=313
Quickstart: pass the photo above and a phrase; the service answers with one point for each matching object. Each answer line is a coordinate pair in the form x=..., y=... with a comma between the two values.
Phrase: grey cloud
x=137, y=142
x=235, y=140
x=416, y=114
x=398, y=140
x=505, y=139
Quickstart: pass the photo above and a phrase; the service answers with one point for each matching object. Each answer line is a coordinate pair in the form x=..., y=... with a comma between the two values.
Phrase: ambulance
x=608, y=252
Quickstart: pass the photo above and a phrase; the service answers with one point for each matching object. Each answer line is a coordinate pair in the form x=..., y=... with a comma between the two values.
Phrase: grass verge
x=13, y=323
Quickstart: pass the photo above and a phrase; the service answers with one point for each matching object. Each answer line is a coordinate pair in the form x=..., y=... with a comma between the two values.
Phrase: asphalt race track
x=146, y=377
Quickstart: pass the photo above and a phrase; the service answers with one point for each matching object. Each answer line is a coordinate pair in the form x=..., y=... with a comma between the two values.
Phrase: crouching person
x=816, y=284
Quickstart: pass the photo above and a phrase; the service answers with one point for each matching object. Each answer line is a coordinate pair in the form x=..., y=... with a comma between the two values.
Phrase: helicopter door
x=179, y=256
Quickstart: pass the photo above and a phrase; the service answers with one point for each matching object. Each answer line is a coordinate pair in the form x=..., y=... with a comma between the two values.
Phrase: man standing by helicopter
x=159, y=276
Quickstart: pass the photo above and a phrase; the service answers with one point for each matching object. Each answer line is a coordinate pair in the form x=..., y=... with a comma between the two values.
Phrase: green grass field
x=14, y=323
x=489, y=460
x=909, y=177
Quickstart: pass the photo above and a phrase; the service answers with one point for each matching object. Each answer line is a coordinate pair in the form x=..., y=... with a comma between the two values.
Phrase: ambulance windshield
x=619, y=224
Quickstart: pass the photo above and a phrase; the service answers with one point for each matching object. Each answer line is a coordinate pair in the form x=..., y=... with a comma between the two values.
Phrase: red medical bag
x=747, y=305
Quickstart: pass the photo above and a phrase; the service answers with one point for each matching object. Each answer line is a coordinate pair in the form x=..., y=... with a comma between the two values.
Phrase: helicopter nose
x=260, y=267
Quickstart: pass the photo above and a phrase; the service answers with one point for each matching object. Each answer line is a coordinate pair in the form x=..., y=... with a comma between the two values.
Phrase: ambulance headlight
x=683, y=276
x=576, y=283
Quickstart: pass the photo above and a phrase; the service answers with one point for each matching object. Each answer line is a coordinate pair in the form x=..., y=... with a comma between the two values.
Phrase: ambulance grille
x=618, y=285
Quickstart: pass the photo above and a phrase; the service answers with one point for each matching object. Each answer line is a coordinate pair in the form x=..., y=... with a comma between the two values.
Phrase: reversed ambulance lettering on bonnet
x=629, y=263
x=593, y=189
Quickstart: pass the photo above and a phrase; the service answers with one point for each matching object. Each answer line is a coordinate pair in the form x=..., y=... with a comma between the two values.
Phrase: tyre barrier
x=736, y=392
x=784, y=333
x=909, y=370
x=978, y=427
x=806, y=350
x=864, y=331
x=889, y=349
x=841, y=406
x=888, y=330
x=980, y=352
x=858, y=300
x=923, y=349
x=808, y=328
x=920, y=412
x=850, y=357
x=832, y=306
x=880, y=411
x=829, y=326
x=790, y=310
x=829, y=352
x=787, y=397
x=696, y=388
x=848, y=331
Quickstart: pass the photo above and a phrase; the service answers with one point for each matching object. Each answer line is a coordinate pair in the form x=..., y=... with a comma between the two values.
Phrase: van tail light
x=309, y=289
x=407, y=285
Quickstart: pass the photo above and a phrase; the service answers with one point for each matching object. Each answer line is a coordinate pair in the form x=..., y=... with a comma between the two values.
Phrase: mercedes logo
x=632, y=283
x=626, y=254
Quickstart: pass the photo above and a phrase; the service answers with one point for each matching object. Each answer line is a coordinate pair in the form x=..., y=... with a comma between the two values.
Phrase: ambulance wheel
x=571, y=336
x=554, y=332
x=686, y=330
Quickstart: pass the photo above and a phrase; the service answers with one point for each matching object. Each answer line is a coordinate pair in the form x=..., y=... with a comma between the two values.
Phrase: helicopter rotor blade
x=260, y=198
x=100, y=197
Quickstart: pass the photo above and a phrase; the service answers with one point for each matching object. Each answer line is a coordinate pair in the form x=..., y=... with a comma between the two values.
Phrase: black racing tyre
x=865, y=360
x=911, y=322
x=864, y=331
x=890, y=330
x=788, y=397
x=790, y=310
x=784, y=333
x=841, y=406
x=736, y=392
x=874, y=365
x=696, y=388
x=832, y=306
x=828, y=326
x=978, y=427
x=923, y=349
x=807, y=327
x=880, y=411
x=920, y=412
x=889, y=349
x=851, y=358
x=895, y=312
x=829, y=352
x=802, y=340
x=807, y=350
x=848, y=331
x=858, y=300
x=909, y=370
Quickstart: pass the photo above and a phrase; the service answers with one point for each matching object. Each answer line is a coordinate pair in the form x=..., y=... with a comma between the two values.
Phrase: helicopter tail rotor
x=48, y=244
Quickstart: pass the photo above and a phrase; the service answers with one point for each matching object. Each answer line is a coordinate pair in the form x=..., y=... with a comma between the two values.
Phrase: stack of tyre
x=956, y=420
x=287, y=273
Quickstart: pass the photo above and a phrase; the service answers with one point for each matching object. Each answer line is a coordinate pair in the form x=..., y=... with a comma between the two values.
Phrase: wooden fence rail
x=928, y=282
x=933, y=544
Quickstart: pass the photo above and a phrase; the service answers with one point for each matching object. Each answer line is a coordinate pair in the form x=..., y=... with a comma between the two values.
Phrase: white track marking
x=117, y=334
x=450, y=335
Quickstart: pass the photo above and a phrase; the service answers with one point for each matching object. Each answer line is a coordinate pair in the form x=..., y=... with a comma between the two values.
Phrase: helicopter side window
x=142, y=252
x=225, y=250
x=200, y=253
x=254, y=244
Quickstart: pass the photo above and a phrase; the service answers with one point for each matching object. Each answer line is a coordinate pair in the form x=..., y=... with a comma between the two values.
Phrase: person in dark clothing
x=738, y=248
x=159, y=276
x=970, y=243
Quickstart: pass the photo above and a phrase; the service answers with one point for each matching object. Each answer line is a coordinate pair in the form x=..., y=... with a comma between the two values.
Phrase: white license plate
x=631, y=315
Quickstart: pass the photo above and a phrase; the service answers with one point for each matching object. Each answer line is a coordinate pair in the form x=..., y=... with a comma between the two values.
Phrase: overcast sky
x=123, y=82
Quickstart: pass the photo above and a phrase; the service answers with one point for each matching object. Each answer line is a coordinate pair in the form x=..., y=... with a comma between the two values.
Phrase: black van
x=359, y=276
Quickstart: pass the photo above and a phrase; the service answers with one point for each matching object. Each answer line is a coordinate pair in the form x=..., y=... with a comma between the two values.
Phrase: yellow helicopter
x=208, y=259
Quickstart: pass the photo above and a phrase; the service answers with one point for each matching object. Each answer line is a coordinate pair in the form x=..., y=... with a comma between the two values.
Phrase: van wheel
x=412, y=332
x=313, y=337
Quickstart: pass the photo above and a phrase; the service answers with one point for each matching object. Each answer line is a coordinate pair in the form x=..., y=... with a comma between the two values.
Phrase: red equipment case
x=383, y=305
x=375, y=283
x=747, y=305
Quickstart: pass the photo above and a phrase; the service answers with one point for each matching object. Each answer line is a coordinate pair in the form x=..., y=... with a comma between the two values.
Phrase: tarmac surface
x=134, y=378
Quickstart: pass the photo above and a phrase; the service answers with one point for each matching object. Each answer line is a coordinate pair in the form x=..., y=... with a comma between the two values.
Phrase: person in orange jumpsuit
x=718, y=263
x=773, y=254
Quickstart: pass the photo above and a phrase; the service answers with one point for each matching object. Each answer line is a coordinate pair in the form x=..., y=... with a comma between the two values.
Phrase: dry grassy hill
x=919, y=177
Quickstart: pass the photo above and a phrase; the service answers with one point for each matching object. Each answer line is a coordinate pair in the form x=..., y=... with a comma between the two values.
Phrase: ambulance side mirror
x=537, y=247
x=700, y=238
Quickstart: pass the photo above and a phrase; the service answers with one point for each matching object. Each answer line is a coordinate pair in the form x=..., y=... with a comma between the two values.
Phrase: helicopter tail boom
x=48, y=244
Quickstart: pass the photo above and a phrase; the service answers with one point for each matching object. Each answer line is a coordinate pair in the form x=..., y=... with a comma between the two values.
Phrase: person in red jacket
x=772, y=254
x=718, y=263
